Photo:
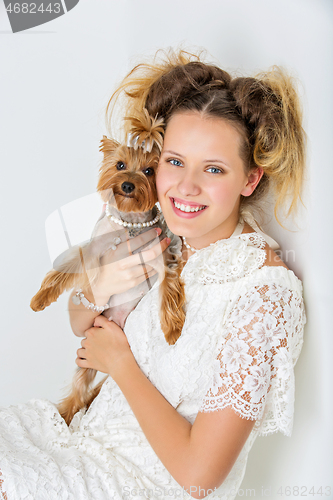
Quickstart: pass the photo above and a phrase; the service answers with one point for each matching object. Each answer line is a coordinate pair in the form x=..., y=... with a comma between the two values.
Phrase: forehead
x=196, y=131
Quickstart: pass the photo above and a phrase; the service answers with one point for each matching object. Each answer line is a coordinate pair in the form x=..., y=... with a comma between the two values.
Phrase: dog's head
x=127, y=174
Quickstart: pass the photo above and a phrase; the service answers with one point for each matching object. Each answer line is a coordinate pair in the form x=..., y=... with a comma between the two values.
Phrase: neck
x=189, y=244
x=221, y=234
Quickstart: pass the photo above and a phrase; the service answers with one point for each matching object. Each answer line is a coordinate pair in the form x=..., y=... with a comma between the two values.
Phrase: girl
x=178, y=421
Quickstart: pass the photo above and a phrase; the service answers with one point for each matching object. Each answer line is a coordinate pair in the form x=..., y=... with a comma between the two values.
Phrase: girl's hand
x=122, y=270
x=119, y=272
x=105, y=348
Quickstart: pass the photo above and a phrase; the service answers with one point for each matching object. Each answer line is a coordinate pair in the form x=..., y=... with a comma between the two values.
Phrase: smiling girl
x=178, y=421
x=201, y=178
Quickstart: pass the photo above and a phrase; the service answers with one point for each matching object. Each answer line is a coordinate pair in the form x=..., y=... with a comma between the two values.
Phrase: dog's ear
x=145, y=131
x=108, y=146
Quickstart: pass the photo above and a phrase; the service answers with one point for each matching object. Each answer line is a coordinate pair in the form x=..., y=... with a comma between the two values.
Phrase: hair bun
x=182, y=82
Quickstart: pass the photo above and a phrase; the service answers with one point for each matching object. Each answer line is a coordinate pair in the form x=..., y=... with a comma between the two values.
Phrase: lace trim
x=226, y=260
x=2, y=493
x=253, y=372
x=231, y=400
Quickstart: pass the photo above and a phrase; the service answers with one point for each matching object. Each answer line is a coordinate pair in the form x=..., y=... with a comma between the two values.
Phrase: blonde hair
x=265, y=109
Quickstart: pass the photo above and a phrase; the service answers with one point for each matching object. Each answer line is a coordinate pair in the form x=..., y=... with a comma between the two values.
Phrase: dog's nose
x=127, y=187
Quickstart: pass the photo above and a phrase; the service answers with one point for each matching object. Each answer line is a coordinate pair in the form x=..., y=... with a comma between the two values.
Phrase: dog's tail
x=81, y=395
x=172, y=297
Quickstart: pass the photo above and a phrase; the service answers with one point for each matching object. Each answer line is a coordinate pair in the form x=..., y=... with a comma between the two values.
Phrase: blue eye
x=175, y=162
x=214, y=170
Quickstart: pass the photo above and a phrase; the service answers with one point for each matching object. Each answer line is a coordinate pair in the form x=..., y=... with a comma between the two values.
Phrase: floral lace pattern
x=254, y=368
x=241, y=339
x=2, y=493
x=226, y=260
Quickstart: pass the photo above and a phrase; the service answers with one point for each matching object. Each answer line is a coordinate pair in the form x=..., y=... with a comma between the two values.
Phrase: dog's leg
x=53, y=285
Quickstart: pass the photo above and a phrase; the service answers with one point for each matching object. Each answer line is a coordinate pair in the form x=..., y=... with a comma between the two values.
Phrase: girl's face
x=201, y=177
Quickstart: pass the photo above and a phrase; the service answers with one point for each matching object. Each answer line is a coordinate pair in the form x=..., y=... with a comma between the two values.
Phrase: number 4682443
x=304, y=491
x=31, y=8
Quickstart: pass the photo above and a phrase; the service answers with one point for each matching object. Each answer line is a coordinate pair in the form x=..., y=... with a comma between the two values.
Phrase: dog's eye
x=148, y=172
x=121, y=165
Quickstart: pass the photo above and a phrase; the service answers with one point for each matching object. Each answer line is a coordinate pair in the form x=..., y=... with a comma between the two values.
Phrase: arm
x=254, y=361
x=196, y=456
x=81, y=318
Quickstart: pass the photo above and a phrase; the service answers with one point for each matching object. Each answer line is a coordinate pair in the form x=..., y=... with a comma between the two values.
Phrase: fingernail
x=158, y=230
x=168, y=240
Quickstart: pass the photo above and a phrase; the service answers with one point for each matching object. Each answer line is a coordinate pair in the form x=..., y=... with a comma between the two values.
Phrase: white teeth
x=187, y=208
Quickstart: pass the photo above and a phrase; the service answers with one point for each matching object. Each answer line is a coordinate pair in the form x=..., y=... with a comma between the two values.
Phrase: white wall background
x=55, y=81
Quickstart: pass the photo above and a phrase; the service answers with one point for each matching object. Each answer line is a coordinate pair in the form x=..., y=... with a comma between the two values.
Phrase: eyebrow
x=173, y=153
x=217, y=161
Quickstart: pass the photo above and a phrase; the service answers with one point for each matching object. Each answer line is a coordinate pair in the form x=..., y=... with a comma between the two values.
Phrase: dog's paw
x=38, y=302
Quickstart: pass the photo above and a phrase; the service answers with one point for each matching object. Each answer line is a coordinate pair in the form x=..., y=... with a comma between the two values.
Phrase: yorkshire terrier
x=127, y=186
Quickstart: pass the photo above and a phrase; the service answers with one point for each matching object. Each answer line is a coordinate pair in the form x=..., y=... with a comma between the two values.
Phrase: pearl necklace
x=189, y=246
x=138, y=225
x=238, y=230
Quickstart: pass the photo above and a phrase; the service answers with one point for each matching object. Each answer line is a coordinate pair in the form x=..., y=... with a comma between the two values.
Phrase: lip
x=185, y=202
x=186, y=215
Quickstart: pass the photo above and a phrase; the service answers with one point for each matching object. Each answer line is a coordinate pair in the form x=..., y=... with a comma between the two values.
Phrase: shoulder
x=272, y=259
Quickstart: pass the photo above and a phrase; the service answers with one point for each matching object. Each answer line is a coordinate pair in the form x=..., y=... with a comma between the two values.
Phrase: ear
x=108, y=146
x=252, y=181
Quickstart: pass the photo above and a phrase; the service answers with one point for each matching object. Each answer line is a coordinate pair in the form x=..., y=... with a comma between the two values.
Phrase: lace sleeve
x=253, y=372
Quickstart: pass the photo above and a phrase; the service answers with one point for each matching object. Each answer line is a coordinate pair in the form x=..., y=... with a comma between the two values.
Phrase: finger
x=157, y=265
x=89, y=331
x=105, y=244
x=147, y=278
x=141, y=270
x=128, y=246
x=82, y=363
x=81, y=353
x=144, y=238
x=142, y=277
x=145, y=256
x=156, y=251
x=101, y=321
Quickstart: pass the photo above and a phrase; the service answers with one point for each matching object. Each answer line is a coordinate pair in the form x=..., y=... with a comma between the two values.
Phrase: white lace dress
x=241, y=339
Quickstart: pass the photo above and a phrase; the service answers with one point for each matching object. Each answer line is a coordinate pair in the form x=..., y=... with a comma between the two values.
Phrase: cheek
x=162, y=181
x=225, y=192
x=219, y=194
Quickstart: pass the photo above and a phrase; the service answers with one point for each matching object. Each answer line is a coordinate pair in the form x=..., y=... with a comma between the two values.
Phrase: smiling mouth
x=188, y=208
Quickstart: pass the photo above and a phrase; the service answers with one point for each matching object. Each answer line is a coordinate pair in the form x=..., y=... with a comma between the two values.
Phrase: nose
x=127, y=187
x=188, y=184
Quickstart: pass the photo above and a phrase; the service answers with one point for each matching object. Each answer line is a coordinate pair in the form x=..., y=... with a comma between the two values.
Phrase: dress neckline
x=231, y=259
x=238, y=231
x=236, y=234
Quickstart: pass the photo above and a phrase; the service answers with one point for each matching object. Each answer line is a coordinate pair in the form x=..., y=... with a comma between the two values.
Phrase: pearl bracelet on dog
x=80, y=298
